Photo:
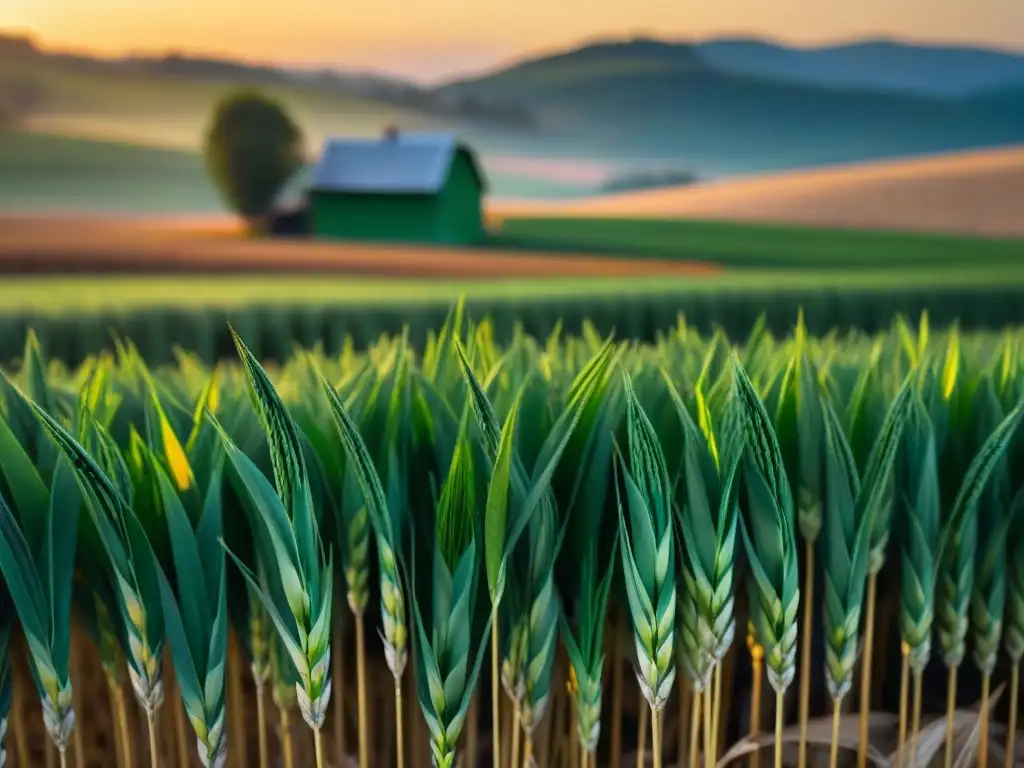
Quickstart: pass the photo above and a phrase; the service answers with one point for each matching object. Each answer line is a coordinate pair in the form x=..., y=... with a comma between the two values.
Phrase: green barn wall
x=454, y=215
x=461, y=202
x=375, y=217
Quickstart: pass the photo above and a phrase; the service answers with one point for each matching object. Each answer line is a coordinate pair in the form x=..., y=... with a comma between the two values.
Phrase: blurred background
x=162, y=169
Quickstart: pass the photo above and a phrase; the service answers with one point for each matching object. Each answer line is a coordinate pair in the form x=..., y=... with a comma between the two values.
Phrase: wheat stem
x=517, y=721
x=916, y=724
x=779, y=719
x=833, y=758
x=63, y=758
x=364, y=747
x=154, y=755
x=805, y=651
x=1011, y=733
x=399, y=730
x=694, y=729
x=122, y=718
x=656, y=737
x=641, y=735
x=318, y=747
x=708, y=697
x=757, y=662
x=986, y=685
x=950, y=715
x=261, y=724
x=286, y=739
x=716, y=712
x=865, y=671
x=338, y=663
x=904, y=686
x=495, y=698
x=528, y=751
x=116, y=724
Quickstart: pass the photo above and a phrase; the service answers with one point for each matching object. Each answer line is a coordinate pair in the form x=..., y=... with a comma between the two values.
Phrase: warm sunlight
x=511, y=383
x=432, y=39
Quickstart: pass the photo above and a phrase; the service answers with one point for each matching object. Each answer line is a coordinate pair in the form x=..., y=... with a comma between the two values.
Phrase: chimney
x=390, y=133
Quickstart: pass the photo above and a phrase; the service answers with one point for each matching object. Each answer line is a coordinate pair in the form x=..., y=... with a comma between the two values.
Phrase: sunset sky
x=431, y=39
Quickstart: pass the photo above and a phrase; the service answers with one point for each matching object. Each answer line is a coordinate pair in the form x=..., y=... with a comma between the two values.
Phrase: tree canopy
x=252, y=148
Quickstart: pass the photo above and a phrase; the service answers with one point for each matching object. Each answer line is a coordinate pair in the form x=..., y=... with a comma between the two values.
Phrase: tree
x=252, y=148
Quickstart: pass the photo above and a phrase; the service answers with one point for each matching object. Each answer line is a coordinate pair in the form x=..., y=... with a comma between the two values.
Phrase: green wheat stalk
x=584, y=646
x=707, y=514
x=286, y=533
x=768, y=538
x=958, y=543
x=39, y=577
x=988, y=596
x=918, y=481
x=527, y=668
x=446, y=669
x=919, y=505
x=852, y=507
x=196, y=615
x=648, y=557
x=106, y=496
x=377, y=509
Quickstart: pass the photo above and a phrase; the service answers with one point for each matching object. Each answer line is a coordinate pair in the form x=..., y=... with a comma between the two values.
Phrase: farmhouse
x=415, y=187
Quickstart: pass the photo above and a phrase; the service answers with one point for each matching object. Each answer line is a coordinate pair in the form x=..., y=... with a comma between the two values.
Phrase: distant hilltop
x=884, y=65
x=712, y=109
x=880, y=65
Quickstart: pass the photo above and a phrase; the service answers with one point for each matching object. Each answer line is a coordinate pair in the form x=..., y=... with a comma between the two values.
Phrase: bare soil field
x=95, y=245
x=967, y=193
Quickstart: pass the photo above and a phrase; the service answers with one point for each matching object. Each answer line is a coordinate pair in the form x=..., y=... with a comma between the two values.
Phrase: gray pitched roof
x=409, y=163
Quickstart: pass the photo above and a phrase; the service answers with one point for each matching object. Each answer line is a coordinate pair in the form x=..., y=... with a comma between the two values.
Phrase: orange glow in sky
x=427, y=39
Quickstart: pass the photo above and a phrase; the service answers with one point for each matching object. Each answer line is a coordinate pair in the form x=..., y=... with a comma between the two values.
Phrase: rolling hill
x=653, y=100
x=951, y=72
x=625, y=108
x=167, y=100
x=967, y=193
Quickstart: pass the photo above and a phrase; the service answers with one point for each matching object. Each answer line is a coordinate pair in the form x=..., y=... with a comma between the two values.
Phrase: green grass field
x=44, y=172
x=767, y=246
x=76, y=315
x=71, y=295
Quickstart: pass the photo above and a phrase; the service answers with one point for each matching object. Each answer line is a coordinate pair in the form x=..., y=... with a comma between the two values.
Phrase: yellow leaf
x=910, y=346
x=704, y=422
x=176, y=460
x=922, y=338
x=1008, y=363
x=952, y=365
x=213, y=399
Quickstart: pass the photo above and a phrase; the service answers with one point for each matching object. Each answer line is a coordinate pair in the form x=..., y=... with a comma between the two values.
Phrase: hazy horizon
x=451, y=38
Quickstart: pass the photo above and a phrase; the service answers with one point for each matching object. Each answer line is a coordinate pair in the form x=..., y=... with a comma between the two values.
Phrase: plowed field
x=61, y=244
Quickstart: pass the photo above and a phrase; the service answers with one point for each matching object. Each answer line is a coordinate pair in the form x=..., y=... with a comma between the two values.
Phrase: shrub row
x=272, y=331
